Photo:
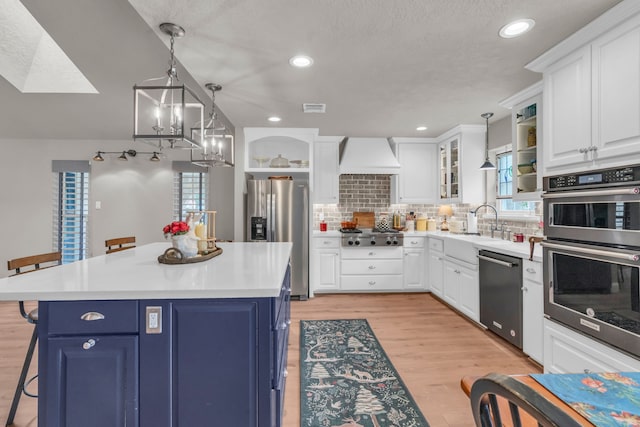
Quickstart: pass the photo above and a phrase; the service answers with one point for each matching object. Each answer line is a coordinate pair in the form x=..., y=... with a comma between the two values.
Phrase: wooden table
x=467, y=381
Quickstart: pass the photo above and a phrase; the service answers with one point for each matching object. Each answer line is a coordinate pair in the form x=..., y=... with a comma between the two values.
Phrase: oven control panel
x=593, y=179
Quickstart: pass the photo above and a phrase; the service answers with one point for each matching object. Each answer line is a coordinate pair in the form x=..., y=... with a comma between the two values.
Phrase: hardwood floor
x=431, y=346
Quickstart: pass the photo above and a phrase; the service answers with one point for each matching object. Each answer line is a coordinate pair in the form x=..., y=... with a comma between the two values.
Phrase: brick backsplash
x=364, y=193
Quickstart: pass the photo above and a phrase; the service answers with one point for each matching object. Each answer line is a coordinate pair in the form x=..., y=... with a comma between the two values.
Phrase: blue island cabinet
x=164, y=363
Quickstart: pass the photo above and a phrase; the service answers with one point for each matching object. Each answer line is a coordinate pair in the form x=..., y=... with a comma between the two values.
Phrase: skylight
x=31, y=60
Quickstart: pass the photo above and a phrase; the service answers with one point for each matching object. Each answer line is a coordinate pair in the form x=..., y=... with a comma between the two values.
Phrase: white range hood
x=368, y=156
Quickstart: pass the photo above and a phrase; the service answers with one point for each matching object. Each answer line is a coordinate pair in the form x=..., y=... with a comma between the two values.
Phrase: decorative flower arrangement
x=176, y=228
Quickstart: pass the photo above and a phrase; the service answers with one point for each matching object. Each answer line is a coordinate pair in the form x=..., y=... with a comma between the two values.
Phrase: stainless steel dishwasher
x=501, y=295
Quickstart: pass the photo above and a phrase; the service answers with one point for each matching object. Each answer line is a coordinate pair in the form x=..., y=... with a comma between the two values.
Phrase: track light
x=125, y=154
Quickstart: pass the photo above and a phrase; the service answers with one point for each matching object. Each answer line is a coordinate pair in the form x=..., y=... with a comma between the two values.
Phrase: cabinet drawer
x=371, y=267
x=66, y=317
x=532, y=271
x=413, y=242
x=325, y=242
x=371, y=283
x=371, y=252
x=436, y=244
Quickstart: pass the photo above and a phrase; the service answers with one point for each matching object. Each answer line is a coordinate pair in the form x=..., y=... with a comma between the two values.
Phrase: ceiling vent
x=314, y=108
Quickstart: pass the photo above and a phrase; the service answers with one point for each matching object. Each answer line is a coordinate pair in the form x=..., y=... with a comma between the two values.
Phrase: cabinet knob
x=88, y=344
x=531, y=270
x=92, y=315
x=524, y=289
x=285, y=373
x=283, y=326
x=288, y=322
x=593, y=148
x=372, y=253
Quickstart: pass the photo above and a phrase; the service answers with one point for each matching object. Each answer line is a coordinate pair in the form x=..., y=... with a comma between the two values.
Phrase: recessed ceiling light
x=516, y=28
x=301, y=61
x=421, y=128
x=274, y=119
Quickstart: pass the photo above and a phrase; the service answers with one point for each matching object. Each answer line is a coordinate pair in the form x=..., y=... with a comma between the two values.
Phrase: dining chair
x=120, y=244
x=499, y=400
x=22, y=266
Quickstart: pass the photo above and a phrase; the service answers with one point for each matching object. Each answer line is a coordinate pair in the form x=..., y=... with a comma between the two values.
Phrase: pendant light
x=487, y=165
x=162, y=113
x=217, y=142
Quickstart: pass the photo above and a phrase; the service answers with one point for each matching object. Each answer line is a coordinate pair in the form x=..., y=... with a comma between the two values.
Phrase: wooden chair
x=22, y=266
x=498, y=400
x=120, y=244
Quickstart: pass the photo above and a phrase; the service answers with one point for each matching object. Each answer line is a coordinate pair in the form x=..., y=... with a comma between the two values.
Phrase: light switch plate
x=154, y=320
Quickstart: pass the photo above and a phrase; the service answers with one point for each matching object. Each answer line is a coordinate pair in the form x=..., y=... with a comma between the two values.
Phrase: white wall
x=136, y=196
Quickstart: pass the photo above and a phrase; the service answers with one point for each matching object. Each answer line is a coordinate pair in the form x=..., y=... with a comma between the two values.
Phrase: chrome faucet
x=495, y=227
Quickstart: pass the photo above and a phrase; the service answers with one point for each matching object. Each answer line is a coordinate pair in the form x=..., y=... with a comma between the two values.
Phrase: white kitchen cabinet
x=616, y=92
x=325, y=264
x=469, y=299
x=371, y=269
x=461, y=288
x=567, y=351
x=567, y=113
x=326, y=184
x=526, y=134
x=591, y=101
x=436, y=266
x=532, y=310
x=415, y=262
x=264, y=144
x=460, y=154
x=417, y=181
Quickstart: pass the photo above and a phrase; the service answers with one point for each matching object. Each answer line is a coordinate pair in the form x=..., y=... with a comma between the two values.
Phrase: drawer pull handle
x=530, y=270
x=372, y=267
x=88, y=344
x=286, y=373
x=326, y=242
x=372, y=253
x=283, y=326
x=92, y=315
x=372, y=282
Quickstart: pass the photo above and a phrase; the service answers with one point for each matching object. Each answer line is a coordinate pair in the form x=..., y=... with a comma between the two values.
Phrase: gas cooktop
x=373, y=238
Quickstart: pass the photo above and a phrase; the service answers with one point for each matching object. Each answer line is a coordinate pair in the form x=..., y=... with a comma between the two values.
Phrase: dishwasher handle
x=497, y=261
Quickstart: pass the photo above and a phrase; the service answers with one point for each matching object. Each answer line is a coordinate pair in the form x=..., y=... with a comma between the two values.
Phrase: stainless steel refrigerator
x=278, y=211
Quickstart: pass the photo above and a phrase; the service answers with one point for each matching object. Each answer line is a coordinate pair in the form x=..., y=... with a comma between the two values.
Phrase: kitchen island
x=127, y=341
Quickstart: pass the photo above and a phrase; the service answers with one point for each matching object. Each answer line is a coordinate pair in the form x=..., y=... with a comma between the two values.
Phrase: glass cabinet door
x=444, y=172
x=455, y=169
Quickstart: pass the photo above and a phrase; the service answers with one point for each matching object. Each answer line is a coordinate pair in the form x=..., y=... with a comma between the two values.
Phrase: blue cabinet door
x=210, y=366
x=91, y=381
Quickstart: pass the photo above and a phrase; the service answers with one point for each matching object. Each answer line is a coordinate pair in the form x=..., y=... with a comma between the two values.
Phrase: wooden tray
x=174, y=256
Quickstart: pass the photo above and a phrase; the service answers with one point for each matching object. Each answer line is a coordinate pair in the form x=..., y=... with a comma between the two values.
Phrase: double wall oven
x=592, y=254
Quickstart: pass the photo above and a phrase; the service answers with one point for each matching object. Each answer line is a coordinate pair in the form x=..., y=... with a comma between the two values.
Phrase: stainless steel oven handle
x=592, y=193
x=496, y=261
x=611, y=254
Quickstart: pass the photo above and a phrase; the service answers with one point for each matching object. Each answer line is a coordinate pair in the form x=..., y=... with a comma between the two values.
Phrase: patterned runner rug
x=347, y=379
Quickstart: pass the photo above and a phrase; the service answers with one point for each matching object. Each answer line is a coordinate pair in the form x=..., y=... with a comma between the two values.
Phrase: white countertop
x=243, y=270
x=481, y=242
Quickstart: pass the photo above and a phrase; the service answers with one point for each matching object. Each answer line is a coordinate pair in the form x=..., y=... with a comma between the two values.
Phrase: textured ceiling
x=382, y=67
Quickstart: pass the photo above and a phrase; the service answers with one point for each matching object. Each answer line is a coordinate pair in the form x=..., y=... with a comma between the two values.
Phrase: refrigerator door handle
x=271, y=216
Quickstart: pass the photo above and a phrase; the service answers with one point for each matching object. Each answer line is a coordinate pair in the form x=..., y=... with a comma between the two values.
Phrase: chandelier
x=162, y=113
x=217, y=142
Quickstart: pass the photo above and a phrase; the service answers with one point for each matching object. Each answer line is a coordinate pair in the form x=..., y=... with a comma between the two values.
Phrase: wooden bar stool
x=22, y=266
x=120, y=244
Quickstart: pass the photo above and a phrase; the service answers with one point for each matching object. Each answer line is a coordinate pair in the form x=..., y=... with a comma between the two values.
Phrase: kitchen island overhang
x=217, y=353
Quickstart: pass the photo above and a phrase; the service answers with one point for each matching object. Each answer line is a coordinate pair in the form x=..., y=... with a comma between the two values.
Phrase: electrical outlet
x=154, y=320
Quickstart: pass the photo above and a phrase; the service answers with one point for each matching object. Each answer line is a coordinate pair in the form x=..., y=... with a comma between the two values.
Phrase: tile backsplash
x=370, y=193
